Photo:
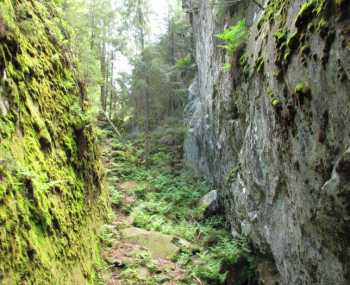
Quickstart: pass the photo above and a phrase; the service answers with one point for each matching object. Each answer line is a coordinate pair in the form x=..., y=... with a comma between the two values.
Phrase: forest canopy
x=127, y=64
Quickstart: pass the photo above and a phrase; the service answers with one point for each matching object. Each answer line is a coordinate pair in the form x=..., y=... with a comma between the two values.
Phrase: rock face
x=51, y=197
x=272, y=134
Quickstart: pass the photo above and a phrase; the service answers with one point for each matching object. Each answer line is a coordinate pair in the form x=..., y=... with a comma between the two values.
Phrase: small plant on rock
x=233, y=36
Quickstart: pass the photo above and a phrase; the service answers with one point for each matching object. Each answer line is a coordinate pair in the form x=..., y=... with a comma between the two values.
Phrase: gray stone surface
x=159, y=245
x=289, y=191
x=210, y=203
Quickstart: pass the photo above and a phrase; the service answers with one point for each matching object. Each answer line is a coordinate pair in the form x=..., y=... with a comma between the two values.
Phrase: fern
x=233, y=36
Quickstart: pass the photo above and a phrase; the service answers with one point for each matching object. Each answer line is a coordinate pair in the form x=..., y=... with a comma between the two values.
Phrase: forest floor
x=158, y=232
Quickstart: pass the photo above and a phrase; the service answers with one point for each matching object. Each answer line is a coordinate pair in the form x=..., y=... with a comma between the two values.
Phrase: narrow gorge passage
x=174, y=142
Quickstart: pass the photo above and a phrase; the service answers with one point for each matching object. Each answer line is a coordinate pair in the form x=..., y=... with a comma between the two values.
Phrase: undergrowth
x=168, y=201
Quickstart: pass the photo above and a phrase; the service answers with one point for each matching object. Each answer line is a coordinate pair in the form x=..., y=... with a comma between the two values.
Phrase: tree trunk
x=111, y=92
x=141, y=23
x=103, y=62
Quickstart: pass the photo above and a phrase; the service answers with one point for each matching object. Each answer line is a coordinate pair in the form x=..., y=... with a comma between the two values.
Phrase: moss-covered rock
x=51, y=194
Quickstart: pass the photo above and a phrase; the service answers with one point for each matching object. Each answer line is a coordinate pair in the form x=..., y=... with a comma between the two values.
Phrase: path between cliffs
x=159, y=233
x=135, y=255
x=132, y=248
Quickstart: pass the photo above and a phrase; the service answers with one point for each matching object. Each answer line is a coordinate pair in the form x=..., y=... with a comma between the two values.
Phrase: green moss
x=293, y=41
x=323, y=27
x=51, y=198
x=232, y=175
x=312, y=17
x=302, y=89
x=306, y=13
x=287, y=56
x=305, y=50
x=280, y=37
x=259, y=64
x=276, y=9
x=270, y=93
x=244, y=64
x=275, y=102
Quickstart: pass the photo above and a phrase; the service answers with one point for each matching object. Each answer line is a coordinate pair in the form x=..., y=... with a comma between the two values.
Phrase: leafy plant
x=184, y=62
x=233, y=36
x=167, y=202
x=210, y=262
x=116, y=197
x=106, y=234
x=227, y=66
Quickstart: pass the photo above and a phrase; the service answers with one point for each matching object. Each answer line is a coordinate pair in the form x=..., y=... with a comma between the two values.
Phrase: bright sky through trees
x=158, y=26
x=159, y=10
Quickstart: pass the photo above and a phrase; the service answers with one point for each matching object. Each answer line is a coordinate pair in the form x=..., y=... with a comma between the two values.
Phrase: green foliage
x=260, y=64
x=275, y=102
x=106, y=234
x=93, y=28
x=184, y=62
x=163, y=70
x=226, y=251
x=233, y=36
x=167, y=202
x=116, y=197
x=232, y=175
x=305, y=13
x=227, y=66
x=302, y=89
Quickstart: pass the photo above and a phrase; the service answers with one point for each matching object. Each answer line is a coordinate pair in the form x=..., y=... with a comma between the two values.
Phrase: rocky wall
x=52, y=197
x=271, y=133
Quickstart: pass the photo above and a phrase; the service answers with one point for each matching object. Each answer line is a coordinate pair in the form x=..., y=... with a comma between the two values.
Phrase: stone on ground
x=210, y=203
x=128, y=186
x=158, y=244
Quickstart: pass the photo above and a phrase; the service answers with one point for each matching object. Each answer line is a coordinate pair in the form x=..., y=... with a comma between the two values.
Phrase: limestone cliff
x=51, y=198
x=272, y=133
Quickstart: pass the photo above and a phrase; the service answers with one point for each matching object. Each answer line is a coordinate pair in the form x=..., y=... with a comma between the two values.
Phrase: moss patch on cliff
x=51, y=198
x=311, y=18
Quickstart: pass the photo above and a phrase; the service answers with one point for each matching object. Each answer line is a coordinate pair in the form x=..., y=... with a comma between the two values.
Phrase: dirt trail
x=160, y=232
x=134, y=255
x=130, y=244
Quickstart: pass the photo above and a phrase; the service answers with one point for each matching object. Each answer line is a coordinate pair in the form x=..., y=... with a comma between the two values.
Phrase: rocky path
x=159, y=232
x=144, y=256
x=135, y=255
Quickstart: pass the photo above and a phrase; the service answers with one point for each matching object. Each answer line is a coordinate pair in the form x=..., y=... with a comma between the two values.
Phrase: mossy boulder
x=159, y=245
x=51, y=195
